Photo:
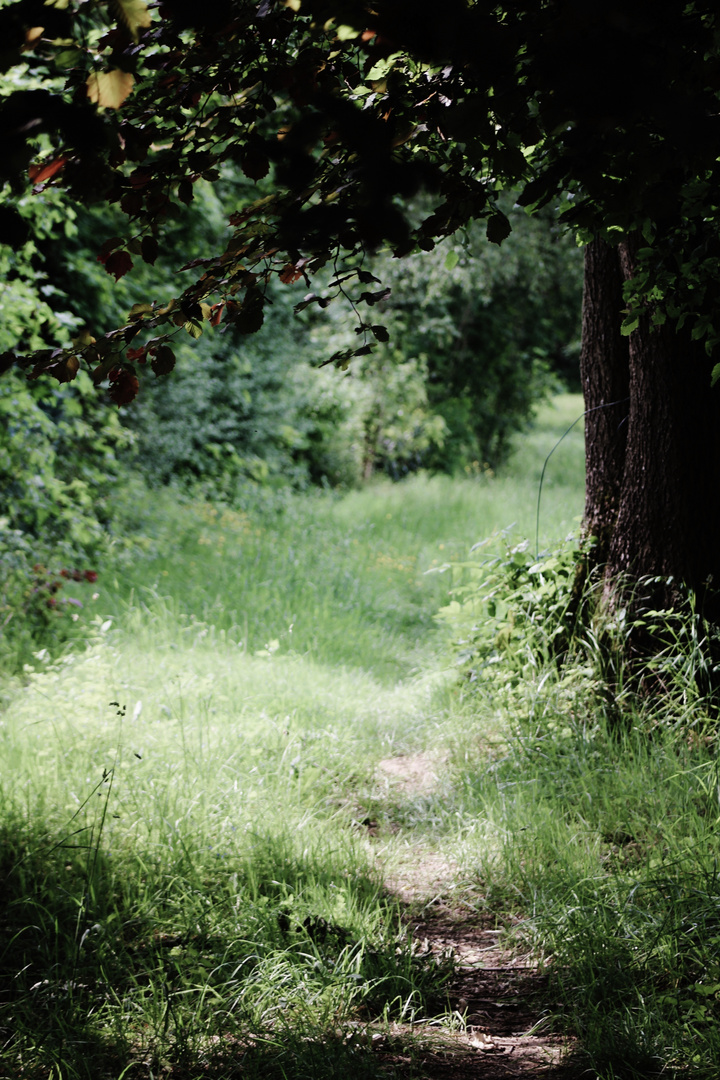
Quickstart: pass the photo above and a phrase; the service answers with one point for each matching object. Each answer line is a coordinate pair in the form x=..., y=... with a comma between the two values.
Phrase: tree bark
x=605, y=375
x=668, y=522
x=653, y=462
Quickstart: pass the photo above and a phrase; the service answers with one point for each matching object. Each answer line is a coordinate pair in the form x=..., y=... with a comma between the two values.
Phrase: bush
x=59, y=466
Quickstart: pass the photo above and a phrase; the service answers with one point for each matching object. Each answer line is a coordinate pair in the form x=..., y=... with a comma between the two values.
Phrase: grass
x=187, y=890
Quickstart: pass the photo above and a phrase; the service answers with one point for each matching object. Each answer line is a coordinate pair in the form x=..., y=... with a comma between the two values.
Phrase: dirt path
x=495, y=994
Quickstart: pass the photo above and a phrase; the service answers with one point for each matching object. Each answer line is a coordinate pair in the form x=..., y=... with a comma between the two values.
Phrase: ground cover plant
x=185, y=882
x=197, y=846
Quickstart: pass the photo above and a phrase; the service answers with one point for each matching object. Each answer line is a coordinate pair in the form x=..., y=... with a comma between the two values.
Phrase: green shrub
x=59, y=466
x=516, y=619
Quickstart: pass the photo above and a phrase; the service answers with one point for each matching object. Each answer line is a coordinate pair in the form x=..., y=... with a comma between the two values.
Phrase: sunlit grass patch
x=181, y=868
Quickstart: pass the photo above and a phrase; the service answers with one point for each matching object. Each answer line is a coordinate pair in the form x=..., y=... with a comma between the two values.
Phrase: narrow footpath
x=494, y=996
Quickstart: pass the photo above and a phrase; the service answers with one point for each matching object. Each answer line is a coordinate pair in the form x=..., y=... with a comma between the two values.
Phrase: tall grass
x=594, y=820
x=187, y=889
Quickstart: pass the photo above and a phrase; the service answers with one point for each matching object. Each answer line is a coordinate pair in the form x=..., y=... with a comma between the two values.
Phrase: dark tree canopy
x=339, y=112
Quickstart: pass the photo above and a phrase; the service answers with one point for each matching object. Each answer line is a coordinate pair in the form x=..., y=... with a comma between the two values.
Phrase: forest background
x=477, y=336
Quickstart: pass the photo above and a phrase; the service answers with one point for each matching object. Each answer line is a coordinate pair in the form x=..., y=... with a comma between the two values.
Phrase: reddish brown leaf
x=376, y=297
x=164, y=360
x=254, y=163
x=64, y=370
x=140, y=177
x=150, y=249
x=185, y=191
x=498, y=228
x=290, y=274
x=109, y=245
x=250, y=317
x=118, y=264
x=217, y=311
x=131, y=203
x=45, y=170
x=124, y=386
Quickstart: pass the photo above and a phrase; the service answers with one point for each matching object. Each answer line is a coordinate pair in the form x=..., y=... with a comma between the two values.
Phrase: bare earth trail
x=494, y=991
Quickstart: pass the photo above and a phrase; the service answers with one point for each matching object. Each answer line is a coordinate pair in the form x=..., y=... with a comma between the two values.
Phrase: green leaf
x=451, y=259
x=630, y=323
x=715, y=375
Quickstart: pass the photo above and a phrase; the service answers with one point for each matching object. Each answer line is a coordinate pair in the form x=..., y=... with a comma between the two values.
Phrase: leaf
x=381, y=333
x=107, y=246
x=163, y=361
x=715, y=375
x=376, y=297
x=185, y=191
x=254, y=163
x=131, y=203
x=124, y=386
x=43, y=170
x=108, y=89
x=251, y=315
x=630, y=323
x=149, y=249
x=451, y=259
x=134, y=15
x=290, y=274
x=118, y=264
x=498, y=228
x=64, y=370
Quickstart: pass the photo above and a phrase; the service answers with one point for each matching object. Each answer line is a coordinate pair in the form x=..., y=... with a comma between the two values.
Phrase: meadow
x=190, y=886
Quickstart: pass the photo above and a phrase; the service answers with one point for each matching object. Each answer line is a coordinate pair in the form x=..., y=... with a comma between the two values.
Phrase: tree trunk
x=605, y=374
x=653, y=482
x=668, y=522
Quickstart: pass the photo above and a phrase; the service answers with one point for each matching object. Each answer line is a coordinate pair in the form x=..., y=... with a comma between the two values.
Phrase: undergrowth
x=188, y=888
x=594, y=817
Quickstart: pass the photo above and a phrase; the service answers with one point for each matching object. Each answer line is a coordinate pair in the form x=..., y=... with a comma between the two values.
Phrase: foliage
x=369, y=109
x=514, y=613
x=603, y=844
x=58, y=470
x=192, y=872
x=490, y=325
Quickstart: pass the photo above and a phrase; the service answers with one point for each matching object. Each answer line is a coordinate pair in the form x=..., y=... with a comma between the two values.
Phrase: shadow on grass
x=117, y=968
